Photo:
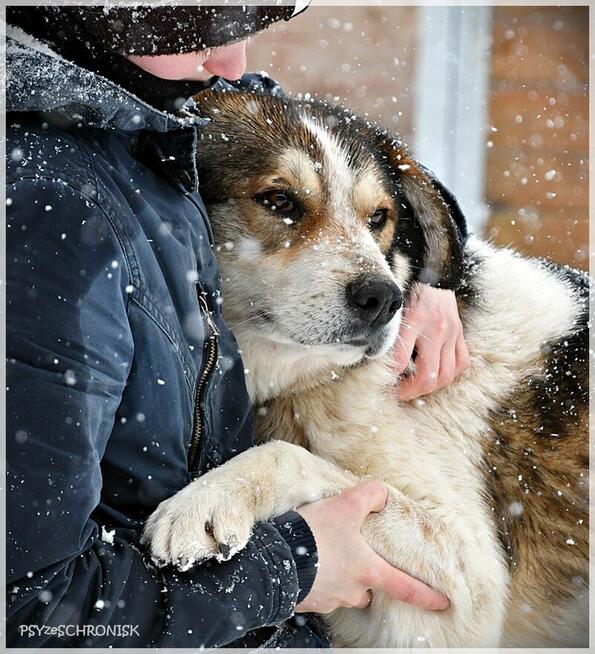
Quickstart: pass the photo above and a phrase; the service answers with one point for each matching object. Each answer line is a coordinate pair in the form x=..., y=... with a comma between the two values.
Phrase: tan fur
x=540, y=491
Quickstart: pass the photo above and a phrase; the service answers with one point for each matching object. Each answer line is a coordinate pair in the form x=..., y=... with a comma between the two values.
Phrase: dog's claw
x=224, y=550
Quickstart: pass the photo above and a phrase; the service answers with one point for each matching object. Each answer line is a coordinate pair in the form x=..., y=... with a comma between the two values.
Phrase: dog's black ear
x=436, y=212
x=456, y=212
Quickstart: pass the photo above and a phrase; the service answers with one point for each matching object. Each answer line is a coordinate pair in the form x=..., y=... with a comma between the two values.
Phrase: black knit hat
x=145, y=30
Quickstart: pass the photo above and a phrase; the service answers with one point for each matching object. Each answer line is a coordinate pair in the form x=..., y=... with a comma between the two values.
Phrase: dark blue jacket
x=124, y=383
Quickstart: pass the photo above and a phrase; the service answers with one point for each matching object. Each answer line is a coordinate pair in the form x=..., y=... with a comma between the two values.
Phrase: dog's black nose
x=375, y=299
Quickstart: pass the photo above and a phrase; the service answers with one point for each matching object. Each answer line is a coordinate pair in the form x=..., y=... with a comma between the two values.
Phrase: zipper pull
x=205, y=308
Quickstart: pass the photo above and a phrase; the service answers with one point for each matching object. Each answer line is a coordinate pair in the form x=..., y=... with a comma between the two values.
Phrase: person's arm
x=69, y=348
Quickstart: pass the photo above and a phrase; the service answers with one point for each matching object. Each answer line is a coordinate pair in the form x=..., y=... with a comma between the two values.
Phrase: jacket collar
x=38, y=79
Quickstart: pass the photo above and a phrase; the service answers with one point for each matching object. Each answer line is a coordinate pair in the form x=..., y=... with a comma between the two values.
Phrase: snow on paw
x=202, y=521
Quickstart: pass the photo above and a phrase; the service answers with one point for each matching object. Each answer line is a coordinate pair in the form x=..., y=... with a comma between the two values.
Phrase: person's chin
x=203, y=76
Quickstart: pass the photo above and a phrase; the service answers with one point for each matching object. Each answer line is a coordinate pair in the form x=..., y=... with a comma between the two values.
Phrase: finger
x=406, y=389
x=365, y=498
x=448, y=365
x=408, y=333
x=427, y=366
x=462, y=355
x=401, y=586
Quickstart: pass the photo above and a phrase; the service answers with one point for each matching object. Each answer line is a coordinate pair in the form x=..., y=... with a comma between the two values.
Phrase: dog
x=325, y=225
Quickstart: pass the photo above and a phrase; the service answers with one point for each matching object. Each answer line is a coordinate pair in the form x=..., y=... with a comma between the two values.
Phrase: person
x=123, y=381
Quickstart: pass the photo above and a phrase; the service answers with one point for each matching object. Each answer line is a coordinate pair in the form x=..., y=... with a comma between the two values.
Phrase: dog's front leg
x=449, y=553
x=214, y=515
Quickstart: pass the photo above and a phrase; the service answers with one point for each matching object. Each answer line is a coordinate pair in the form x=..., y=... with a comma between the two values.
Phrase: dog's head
x=321, y=223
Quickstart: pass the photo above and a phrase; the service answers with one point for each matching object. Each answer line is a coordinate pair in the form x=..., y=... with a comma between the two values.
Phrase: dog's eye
x=378, y=219
x=282, y=204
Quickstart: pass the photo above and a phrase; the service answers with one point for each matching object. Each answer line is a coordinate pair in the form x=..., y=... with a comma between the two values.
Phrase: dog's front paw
x=207, y=519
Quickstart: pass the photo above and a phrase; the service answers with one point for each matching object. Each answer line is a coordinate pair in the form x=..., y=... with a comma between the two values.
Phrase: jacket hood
x=39, y=79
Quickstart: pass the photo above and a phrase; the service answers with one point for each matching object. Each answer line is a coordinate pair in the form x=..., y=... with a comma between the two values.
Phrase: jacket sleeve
x=69, y=348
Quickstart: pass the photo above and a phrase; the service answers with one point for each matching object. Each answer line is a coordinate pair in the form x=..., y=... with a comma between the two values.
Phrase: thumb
x=401, y=586
x=365, y=498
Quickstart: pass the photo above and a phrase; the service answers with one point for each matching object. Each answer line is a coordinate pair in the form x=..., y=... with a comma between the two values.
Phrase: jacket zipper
x=210, y=359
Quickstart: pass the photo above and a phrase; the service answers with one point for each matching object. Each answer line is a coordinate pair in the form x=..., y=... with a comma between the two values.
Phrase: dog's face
x=320, y=222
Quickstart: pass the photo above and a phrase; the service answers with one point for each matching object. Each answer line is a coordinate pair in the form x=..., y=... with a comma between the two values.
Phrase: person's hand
x=430, y=325
x=347, y=566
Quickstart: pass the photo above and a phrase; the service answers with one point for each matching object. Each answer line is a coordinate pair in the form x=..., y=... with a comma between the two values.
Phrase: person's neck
x=165, y=95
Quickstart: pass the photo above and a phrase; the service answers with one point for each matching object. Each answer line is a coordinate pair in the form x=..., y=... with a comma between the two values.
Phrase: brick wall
x=537, y=140
x=362, y=57
x=537, y=173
